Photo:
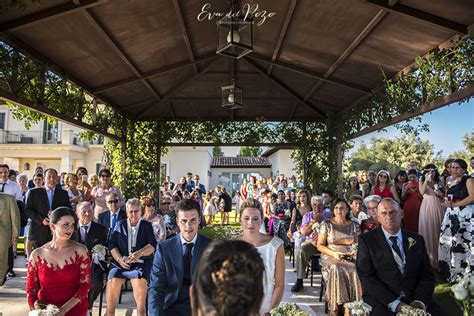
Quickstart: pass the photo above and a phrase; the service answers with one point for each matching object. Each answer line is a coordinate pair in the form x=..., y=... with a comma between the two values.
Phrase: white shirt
x=184, y=241
x=12, y=188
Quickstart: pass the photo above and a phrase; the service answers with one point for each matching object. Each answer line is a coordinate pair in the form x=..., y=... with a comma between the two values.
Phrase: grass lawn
x=216, y=231
x=442, y=296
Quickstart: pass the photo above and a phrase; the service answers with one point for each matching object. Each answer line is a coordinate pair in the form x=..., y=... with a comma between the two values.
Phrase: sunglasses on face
x=149, y=205
x=166, y=203
x=105, y=175
x=382, y=176
x=113, y=201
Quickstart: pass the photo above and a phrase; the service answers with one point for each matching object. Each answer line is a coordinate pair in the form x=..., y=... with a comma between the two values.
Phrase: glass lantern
x=234, y=36
x=232, y=96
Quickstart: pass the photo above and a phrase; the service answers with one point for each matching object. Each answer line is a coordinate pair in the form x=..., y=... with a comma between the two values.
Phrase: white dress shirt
x=12, y=188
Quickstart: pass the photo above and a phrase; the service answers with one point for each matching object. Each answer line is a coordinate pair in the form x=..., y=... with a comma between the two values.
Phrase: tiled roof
x=220, y=162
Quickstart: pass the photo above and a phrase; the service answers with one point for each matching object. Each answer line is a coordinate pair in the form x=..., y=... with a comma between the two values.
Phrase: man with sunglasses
x=113, y=214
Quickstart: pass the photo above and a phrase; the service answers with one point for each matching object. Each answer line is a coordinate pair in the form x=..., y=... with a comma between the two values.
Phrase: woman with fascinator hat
x=383, y=186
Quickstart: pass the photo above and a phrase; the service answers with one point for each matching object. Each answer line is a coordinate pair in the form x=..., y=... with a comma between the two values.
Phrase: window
x=98, y=166
x=2, y=120
x=163, y=168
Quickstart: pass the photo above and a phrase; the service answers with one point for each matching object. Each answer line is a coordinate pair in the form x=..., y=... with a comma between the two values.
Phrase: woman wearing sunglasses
x=169, y=216
x=102, y=190
x=383, y=186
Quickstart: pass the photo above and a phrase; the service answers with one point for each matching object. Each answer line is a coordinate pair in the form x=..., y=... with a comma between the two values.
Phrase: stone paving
x=13, y=298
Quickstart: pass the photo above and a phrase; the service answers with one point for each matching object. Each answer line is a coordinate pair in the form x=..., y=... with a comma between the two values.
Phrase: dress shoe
x=11, y=274
x=298, y=286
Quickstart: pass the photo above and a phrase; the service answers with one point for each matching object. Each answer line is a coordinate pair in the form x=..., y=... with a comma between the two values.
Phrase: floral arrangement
x=99, y=253
x=408, y=310
x=42, y=309
x=316, y=227
x=358, y=308
x=287, y=310
x=463, y=292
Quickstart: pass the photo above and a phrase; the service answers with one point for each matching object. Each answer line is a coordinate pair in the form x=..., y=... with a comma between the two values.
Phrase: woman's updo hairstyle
x=61, y=212
x=228, y=280
x=251, y=203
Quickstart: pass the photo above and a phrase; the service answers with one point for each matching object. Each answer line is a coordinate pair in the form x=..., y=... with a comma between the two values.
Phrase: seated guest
x=113, y=214
x=308, y=248
x=393, y=265
x=225, y=280
x=169, y=216
x=131, y=245
x=335, y=242
x=91, y=234
x=150, y=214
x=357, y=214
x=370, y=223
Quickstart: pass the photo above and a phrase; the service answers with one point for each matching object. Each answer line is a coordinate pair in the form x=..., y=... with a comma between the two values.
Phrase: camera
x=347, y=257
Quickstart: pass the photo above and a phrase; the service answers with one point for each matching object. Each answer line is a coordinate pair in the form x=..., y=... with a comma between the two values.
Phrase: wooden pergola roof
x=153, y=59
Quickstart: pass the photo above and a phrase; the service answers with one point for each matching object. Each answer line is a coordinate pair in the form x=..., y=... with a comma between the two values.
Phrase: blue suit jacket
x=166, y=276
x=104, y=219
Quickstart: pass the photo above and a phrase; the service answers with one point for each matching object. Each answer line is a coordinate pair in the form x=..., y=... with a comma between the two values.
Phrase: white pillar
x=66, y=164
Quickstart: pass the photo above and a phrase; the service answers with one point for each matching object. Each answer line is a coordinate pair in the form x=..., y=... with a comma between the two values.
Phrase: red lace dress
x=53, y=285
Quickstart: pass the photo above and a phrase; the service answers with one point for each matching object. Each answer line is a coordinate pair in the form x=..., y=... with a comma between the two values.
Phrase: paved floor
x=13, y=297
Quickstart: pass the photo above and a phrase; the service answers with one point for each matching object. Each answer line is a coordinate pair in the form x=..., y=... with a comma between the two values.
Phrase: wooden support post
x=305, y=158
x=158, y=161
x=123, y=165
x=340, y=175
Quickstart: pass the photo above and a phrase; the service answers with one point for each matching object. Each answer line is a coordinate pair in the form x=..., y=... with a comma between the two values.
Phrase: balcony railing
x=44, y=137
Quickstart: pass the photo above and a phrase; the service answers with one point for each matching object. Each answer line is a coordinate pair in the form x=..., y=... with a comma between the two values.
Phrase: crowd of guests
x=381, y=244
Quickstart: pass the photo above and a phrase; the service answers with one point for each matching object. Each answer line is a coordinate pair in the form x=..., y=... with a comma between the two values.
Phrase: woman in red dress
x=59, y=272
x=383, y=187
x=411, y=202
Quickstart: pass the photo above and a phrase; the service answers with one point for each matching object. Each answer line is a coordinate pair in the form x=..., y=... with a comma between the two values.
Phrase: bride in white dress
x=271, y=250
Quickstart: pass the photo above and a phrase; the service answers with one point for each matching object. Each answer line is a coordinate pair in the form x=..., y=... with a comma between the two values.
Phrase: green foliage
x=468, y=152
x=217, y=152
x=249, y=151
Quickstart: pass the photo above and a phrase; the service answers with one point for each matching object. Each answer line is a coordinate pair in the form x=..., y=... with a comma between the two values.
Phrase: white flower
x=460, y=292
x=471, y=283
x=411, y=242
x=315, y=227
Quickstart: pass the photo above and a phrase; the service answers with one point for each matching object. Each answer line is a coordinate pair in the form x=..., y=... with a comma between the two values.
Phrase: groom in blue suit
x=174, y=264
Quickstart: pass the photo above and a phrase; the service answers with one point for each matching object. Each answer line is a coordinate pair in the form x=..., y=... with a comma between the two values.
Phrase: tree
x=468, y=152
x=393, y=154
x=249, y=151
x=217, y=152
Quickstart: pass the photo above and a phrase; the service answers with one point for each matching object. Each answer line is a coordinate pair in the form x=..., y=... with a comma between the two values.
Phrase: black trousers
x=96, y=287
x=11, y=262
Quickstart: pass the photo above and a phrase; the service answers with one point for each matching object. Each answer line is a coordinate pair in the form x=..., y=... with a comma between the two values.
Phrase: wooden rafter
x=234, y=144
x=283, y=31
x=285, y=87
x=177, y=87
x=432, y=19
x=153, y=73
x=95, y=22
x=10, y=97
x=309, y=73
x=48, y=14
x=179, y=15
x=348, y=51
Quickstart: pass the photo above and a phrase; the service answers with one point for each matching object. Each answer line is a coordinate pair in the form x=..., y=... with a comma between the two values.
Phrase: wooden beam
x=432, y=19
x=153, y=73
x=309, y=73
x=47, y=14
x=283, y=31
x=179, y=15
x=10, y=97
x=293, y=111
x=219, y=99
x=236, y=118
x=116, y=47
x=348, y=51
x=233, y=144
x=284, y=87
x=427, y=107
x=177, y=87
x=170, y=107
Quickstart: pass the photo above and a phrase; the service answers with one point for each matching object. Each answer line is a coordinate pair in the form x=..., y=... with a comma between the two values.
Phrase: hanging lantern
x=234, y=36
x=232, y=96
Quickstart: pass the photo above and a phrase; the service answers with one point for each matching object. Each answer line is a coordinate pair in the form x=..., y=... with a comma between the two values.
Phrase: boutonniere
x=411, y=242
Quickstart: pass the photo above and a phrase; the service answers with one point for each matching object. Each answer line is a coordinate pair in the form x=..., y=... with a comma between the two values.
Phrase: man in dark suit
x=174, y=264
x=393, y=265
x=114, y=214
x=39, y=203
x=91, y=234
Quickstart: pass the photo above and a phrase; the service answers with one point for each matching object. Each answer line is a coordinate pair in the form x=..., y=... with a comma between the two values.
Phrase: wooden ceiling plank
x=309, y=73
x=432, y=19
x=284, y=87
x=348, y=51
x=293, y=111
x=47, y=14
x=171, y=110
x=283, y=31
x=153, y=73
x=177, y=87
x=189, y=48
x=100, y=27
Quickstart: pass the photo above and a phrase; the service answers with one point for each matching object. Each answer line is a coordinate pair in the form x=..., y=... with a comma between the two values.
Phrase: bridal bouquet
x=99, y=253
x=288, y=309
x=464, y=293
x=316, y=227
x=358, y=308
x=42, y=309
x=408, y=310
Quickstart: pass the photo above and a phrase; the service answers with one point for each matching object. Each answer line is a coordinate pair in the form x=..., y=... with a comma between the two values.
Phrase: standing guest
x=9, y=228
x=101, y=191
x=411, y=198
x=271, y=250
x=243, y=189
x=196, y=195
x=250, y=187
x=302, y=207
x=400, y=179
x=151, y=215
x=169, y=216
x=175, y=263
x=166, y=189
x=371, y=180
x=455, y=243
x=353, y=188
x=131, y=245
x=431, y=212
x=75, y=195
x=224, y=282
x=309, y=247
x=190, y=184
x=23, y=183
x=83, y=185
x=327, y=195
x=445, y=178
x=393, y=265
x=38, y=180
x=224, y=196
x=31, y=183
x=62, y=180
x=180, y=187
x=59, y=272
x=113, y=214
x=39, y=203
x=281, y=218
x=371, y=202
x=211, y=207
x=199, y=186
x=383, y=186
x=357, y=212
x=8, y=186
x=171, y=183
x=237, y=202
x=186, y=194
x=362, y=178
x=335, y=242
x=91, y=234
x=93, y=180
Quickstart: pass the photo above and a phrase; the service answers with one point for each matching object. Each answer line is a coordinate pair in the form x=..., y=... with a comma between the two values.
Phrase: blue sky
x=447, y=127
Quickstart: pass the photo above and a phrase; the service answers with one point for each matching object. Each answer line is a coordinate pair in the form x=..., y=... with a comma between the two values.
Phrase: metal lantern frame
x=236, y=102
x=227, y=44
